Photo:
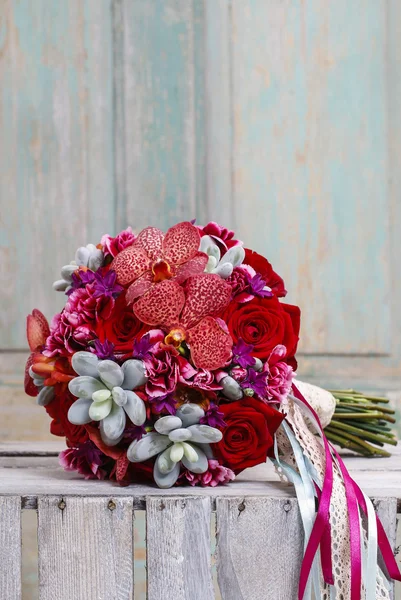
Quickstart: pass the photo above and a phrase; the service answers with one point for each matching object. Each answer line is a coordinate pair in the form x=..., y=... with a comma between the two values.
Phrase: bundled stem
x=361, y=423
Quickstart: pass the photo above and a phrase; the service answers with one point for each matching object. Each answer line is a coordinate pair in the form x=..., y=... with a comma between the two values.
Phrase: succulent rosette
x=170, y=359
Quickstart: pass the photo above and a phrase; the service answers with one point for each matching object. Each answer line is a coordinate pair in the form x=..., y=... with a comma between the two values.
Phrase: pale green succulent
x=221, y=266
x=86, y=256
x=176, y=439
x=104, y=391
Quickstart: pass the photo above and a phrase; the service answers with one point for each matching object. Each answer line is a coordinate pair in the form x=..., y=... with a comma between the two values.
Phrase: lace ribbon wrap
x=343, y=536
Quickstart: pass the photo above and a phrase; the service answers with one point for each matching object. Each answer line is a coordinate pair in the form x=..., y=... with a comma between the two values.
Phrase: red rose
x=262, y=266
x=265, y=323
x=60, y=425
x=122, y=328
x=248, y=436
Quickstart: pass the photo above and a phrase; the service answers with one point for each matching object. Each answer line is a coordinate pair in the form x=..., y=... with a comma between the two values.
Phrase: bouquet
x=173, y=363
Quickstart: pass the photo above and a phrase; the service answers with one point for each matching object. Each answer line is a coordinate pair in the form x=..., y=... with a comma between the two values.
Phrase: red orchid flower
x=155, y=257
x=188, y=314
x=53, y=370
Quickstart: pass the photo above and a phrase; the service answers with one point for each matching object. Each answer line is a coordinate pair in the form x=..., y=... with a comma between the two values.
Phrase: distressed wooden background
x=280, y=119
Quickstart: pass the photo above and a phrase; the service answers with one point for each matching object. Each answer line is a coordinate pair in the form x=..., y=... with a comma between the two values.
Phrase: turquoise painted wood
x=160, y=91
x=278, y=118
x=56, y=147
x=309, y=160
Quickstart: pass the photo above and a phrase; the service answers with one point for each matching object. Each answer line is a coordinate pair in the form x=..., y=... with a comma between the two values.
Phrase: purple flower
x=80, y=279
x=105, y=285
x=142, y=347
x=103, y=350
x=134, y=432
x=257, y=285
x=256, y=382
x=213, y=417
x=164, y=403
x=242, y=354
x=86, y=458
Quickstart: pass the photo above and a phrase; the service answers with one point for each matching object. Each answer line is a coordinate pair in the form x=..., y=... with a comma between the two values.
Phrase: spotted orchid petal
x=194, y=266
x=206, y=295
x=139, y=287
x=181, y=243
x=161, y=305
x=37, y=329
x=130, y=264
x=210, y=344
x=150, y=240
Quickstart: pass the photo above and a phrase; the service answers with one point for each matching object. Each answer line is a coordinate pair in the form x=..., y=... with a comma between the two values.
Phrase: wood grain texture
x=310, y=155
x=86, y=549
x=10, y=547
x=178, y=548
x=160, y=106
x=386, y=509
x=56, y=173
x=249, y=534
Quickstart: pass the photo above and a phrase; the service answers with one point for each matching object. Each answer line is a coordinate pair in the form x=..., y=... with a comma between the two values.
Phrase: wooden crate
x=85, y=531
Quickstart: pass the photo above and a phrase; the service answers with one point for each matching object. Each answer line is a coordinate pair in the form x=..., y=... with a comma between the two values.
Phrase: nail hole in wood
x=287, y=507
x=111, y=505
x=62, y=504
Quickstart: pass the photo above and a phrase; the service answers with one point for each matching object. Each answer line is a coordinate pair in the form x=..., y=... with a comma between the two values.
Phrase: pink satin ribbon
x=322, y=520
x=321, y=532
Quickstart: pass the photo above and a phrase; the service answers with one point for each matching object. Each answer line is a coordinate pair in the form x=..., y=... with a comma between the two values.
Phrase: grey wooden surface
x=178, y=547
x=259, y=548
x=10, y=547
x=85, y=531
x=85, y=548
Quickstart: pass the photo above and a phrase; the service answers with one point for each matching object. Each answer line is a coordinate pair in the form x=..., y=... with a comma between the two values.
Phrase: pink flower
x=221, y=235
x=86, y=459
x=215, y=475
x=65, y=339
x=280, y=375
x=239, y=281
x=112, y=246
x=199, y=378
x=162, y=368
x=83, y=308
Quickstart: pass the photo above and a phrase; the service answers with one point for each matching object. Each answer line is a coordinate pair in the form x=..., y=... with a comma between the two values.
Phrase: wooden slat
x=10, y=548
x=249, y=534
x=178, y=549
x=56, y=172
x=86, y=549
x=159, y=92
x=310, y=153
x=386, y=509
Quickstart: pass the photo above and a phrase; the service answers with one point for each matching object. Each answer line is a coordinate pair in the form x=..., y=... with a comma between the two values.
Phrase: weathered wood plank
x=249, y=532
x=56, y=173
x=310, y=154
x=178, y=548
x=386, y=509
x=376, y=481
x=160, y=107
x=85, y=548
x=10, y=547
